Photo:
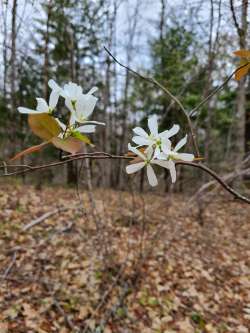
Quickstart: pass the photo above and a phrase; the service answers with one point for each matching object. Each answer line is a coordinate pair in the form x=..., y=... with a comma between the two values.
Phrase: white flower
x=42, y=105
x=83, y=107
x=156, y=139
x=169, y=156
x=80, y=105
x=147, y=160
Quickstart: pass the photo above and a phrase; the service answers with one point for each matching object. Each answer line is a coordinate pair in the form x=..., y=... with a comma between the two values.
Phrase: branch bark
x=103, y=155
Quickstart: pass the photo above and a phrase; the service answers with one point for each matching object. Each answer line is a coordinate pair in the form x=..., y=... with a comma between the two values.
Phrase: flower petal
x=164, y=164
x=151, y=176
x=166, y=145
x=85, y=106
x=153, y=125
x=181, y=143
x=92, y=91
x=131, y=168
x=54, y=86
x=141, y=141
x=86, y=129
x=61, y=124
x=172, y=171
x=157, y=152
x=140, y=131
x=69, y=105
x=27, y=110
x=53, y=99
x=168, y=133
x=42, y=105
x=136, y=152
x=72, y=91
x=163, y=156
x=149, y=152
x=95, y=122
x=72, y=119
x=185, y=157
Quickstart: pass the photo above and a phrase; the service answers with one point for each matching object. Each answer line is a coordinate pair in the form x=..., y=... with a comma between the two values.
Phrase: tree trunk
x=13, y=70
x=46, y=53
x=240, y=112
x=72, y=168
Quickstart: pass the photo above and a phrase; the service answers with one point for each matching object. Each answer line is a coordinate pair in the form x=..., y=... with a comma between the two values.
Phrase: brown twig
x=10, y=266
x=44, y=217
x=187, y=114
x=125, y=157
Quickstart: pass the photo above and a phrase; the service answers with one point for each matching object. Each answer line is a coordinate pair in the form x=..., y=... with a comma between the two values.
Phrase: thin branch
x=229, y=177
x=188, y=115
x=237, y=26
x=216, y=90
x=167, y=92
x=103, y=155
x=10, y=266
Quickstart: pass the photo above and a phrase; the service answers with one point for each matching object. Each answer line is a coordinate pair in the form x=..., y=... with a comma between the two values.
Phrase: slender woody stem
x=103, y=155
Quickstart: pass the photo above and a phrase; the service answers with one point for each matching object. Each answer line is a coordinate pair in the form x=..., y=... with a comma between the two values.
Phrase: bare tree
x=46, y=51
x=133, y=21
x=13, y=62
x=240, y=125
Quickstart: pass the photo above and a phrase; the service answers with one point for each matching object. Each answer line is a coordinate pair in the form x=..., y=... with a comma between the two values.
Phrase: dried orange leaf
x=70, y=145
x=242, y=53
x=242, y=72
x=29, y=151
x=44, y=126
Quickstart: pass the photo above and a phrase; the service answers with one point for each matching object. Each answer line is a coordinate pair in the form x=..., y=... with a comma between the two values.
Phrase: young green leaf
x=82, y=137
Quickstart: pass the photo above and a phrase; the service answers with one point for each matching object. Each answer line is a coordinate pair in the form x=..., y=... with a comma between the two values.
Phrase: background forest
x=186, y=45
x=86, y=247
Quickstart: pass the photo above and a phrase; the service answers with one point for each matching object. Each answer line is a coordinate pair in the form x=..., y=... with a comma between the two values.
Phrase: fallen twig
x=10, y=266
x=44, y=217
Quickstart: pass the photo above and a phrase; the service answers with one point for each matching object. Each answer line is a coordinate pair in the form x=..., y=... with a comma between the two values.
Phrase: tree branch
x=167, y=92
x=237, y=26
x=216, y=90
x=103, y=155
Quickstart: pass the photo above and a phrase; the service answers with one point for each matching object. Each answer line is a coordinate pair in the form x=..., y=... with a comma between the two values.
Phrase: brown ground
x=150, y=267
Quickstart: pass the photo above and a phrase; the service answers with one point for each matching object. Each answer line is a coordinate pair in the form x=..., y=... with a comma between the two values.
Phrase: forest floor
x=116, y=262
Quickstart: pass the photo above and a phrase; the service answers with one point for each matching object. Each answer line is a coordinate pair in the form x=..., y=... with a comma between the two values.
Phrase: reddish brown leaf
x=44, y=126
x=70, y=145
x=29, y=150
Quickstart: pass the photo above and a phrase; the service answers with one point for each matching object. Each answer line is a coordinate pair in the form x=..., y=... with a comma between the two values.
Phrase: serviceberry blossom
x=155, y=139
x=42, y=105
x=173, y=155
x=80, y=105
x=147, y=161
x=157, y=151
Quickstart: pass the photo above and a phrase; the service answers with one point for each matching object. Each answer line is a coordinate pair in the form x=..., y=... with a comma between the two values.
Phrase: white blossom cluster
x=80, y=105
x=157, y=150
x=152, y=149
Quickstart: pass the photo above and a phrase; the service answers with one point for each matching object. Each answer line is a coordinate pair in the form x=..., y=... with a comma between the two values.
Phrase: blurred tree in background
x=186, y=46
